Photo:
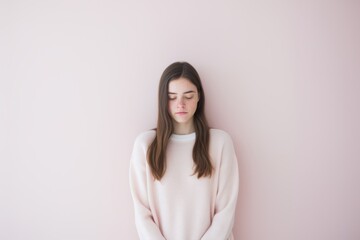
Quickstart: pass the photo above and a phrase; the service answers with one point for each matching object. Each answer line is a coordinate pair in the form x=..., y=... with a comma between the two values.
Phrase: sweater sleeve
x=226, y=198
x=146, y=227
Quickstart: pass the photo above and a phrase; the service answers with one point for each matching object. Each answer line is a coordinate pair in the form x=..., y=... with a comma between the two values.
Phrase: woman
x=183, y=175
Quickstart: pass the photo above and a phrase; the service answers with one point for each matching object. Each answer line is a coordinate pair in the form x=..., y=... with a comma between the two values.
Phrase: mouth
x=181, y=113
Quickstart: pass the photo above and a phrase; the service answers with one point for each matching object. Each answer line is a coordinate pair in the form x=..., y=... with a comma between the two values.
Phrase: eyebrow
x=191, y=91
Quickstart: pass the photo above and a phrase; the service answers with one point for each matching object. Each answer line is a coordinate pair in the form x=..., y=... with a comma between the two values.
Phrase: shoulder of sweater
x=145, y=137
x=218, y=136
x=218, y=133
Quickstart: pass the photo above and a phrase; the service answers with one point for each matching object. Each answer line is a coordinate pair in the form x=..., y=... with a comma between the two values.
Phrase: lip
x=181, y=113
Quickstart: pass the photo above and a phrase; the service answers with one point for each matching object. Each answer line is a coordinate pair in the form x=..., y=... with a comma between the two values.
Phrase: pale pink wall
x=78, y=82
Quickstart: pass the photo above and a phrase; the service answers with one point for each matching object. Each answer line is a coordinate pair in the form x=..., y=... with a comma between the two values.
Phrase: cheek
x=194, y=105
x=170, y=106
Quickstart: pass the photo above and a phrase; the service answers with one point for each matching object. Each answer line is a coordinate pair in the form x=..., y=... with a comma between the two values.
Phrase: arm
x=146, y=227
x=226, y=198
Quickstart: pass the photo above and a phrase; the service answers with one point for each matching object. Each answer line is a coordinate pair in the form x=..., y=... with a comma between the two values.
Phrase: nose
x=181, y=102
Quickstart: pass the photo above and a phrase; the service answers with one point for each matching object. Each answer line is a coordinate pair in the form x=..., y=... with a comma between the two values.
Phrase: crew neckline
x=183, y=137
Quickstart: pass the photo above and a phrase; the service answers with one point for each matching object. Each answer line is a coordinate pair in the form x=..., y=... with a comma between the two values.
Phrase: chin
x=181, y=120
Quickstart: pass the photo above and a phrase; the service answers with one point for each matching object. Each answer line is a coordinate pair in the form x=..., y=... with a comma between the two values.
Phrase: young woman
x=183, y=175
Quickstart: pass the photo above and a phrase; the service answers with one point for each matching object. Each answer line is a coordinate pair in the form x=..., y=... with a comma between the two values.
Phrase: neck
x=184, y=128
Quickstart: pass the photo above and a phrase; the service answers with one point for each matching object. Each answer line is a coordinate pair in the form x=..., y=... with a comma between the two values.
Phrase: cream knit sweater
x=180, y=206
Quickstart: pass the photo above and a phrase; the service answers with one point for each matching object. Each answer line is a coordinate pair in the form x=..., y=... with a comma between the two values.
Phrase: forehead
x=181, y=85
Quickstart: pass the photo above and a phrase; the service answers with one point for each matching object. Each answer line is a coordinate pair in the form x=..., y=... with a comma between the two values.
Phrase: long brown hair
x=156, y=154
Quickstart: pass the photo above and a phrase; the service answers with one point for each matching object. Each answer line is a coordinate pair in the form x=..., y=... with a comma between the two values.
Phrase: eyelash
x=185, y=98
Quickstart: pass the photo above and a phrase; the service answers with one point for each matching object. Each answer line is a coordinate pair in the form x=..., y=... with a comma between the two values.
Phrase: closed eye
x=173, y=96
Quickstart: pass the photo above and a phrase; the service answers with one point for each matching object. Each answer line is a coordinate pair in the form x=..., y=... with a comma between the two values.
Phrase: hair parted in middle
x=156, y=154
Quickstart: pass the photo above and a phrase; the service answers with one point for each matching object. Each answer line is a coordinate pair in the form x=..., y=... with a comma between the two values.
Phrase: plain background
x=78, y=82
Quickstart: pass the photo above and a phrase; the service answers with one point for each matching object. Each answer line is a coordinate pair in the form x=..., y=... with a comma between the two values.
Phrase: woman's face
x=183, y=99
